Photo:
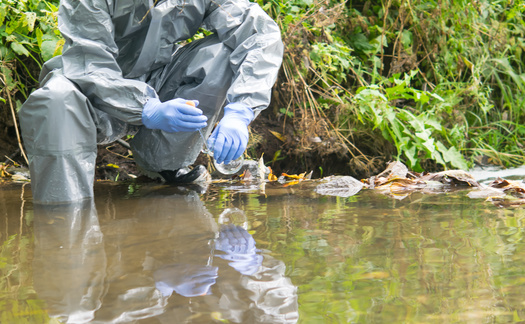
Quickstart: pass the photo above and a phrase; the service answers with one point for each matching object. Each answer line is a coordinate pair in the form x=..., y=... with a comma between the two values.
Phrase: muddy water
x=238, y=254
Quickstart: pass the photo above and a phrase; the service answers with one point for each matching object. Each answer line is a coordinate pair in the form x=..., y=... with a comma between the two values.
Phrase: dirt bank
x=272, y=137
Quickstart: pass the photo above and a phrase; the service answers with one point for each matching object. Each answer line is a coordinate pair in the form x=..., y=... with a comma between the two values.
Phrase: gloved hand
x=231, y=135
x=173, y=116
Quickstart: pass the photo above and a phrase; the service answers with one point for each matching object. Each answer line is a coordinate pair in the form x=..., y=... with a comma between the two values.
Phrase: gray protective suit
x=120, y=53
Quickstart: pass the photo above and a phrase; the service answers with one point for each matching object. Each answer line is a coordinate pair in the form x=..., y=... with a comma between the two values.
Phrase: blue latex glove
x=173, y=116
x=231, y=135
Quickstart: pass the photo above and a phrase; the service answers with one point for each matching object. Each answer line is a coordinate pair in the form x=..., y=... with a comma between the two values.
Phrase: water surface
x=238, y=254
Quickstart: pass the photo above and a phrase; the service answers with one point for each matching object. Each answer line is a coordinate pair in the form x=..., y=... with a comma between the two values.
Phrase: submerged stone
x=340, y=186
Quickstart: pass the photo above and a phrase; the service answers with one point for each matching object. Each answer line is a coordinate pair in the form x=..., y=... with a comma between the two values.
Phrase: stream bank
x=272, y=136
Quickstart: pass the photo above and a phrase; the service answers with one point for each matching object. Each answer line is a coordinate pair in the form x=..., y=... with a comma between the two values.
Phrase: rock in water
x=340, y=186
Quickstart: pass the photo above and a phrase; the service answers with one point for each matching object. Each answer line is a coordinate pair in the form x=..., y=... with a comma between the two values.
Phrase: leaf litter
x=396, y=181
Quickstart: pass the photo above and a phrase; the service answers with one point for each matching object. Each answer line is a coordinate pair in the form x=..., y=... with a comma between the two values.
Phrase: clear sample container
x=233, y=167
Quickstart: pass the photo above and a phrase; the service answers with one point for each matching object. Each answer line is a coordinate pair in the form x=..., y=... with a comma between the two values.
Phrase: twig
x=124, y=143
x=10, y=157
x=341, y=137
x=383, y=34
x=15, y=123
x=117, y=154
x=147, y=13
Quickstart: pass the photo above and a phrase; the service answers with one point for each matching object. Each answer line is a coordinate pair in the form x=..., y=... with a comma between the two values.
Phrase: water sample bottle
x=230, y=168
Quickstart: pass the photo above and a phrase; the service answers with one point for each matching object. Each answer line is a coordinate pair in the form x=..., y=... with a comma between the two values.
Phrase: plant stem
x=15, y=123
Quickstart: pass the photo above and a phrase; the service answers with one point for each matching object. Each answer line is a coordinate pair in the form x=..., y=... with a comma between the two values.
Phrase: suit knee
x=57, y=116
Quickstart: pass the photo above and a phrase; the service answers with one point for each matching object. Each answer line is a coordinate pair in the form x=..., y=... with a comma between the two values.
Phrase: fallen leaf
x=394, y=169
x=261, y=168
x=3, y=171
x=485, y=193
x=271, y=176
x=294, y=176
x=515, y=188
x=453, y=177
x=278, y=135
x=18, y=177
x=247, y=175
x=291, y=183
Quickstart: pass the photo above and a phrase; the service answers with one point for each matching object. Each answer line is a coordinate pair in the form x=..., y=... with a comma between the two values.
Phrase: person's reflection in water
x=185, y=280
x=69, y=264
x=164, y=256
x=239, y=248
x=271, y=297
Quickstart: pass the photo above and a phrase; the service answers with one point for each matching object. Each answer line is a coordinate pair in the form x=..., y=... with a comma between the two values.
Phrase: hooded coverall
x=118, y=54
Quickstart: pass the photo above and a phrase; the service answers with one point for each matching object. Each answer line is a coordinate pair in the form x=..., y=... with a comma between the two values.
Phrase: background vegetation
x=28, y=37
x=435, y=84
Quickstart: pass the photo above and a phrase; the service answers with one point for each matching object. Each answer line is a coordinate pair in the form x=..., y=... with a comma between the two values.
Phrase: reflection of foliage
x=18, y=302
x=430, y=259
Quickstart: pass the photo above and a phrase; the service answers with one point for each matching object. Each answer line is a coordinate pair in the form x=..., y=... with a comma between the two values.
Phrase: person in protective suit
x=127, y=69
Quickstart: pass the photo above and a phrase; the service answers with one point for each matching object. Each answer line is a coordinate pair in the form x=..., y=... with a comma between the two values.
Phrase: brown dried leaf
x=452, y=177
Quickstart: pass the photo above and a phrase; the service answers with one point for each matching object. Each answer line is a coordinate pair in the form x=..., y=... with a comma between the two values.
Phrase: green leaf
x=420, y=96
x=411, y=154
x=39, y=35
x=59, y=46
x=429, y=145
x=19, y=49
x=11, y=26
x=3, y=13
x=425, y=136
x=433, y=124
x=48, y=49
x=360, y=42
x=368, y=92
x=29, y=20
x=452, y=156
x=406, y=38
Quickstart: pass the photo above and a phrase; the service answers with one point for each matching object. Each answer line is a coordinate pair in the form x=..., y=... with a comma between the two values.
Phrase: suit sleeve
x=89, y=60
x=255, y=40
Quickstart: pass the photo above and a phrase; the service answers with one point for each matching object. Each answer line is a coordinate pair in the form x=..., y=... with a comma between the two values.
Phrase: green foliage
x=349, y=74
x=417, y=134
x=29, y=37
x=460, y=100
x=332, y=60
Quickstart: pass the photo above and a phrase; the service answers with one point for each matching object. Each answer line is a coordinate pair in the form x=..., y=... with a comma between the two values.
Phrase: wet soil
x=115, y=161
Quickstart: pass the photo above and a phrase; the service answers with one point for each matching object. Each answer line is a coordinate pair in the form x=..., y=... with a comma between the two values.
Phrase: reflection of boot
x=69, y=260
x=186, y=175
